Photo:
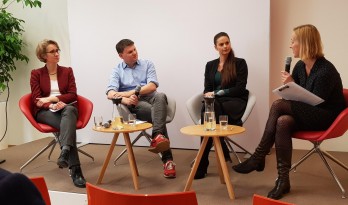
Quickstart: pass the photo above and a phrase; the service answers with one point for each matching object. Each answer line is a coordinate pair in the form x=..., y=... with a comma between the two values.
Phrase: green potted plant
x=11, y=42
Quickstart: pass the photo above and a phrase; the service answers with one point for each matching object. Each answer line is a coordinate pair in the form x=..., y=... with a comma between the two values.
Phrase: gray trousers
x=154, y=109
x=65, y=121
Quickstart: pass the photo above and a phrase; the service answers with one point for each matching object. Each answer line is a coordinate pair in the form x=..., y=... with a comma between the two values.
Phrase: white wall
x=51, y=21
x=178, y=37
x=330, y=17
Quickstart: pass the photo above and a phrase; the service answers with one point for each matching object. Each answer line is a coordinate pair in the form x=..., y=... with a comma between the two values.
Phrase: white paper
x=292, y=91
x=62, y=107
x=139, y=122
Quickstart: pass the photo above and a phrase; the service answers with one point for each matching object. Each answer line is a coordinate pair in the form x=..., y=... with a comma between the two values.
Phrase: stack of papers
x=292, y=91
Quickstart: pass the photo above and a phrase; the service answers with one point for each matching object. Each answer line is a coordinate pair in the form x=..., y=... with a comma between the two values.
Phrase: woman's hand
x=42, y=101
x=209, y=94
x=60, y=105
x=286, y=77
x=57, y=106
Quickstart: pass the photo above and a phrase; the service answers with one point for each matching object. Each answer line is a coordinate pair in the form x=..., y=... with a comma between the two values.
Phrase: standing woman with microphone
x=225, y=78
x=317, y=75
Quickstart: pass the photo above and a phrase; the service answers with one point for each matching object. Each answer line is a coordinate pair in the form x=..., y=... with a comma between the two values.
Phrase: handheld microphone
x=287, y=64
x=137, y=92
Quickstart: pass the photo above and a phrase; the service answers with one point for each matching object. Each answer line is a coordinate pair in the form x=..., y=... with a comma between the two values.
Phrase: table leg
x=222, y=180
x=195, y=165
x=131, y=160
x=107, y=159
x=224, y=167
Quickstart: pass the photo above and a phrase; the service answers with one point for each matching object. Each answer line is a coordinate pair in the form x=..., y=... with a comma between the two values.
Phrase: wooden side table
x=125, y=131
x=198, y=130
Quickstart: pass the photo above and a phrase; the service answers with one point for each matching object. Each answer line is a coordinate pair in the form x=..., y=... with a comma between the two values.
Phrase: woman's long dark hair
x=228, y=72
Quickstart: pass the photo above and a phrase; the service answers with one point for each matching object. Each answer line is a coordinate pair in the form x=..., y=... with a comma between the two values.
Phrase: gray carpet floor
x=311, y=184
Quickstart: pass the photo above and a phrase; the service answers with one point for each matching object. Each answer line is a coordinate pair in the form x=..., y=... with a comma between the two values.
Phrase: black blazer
x=237, y=88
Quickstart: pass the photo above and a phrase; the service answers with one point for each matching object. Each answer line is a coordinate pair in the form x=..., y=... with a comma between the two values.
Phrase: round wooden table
x=125, y=131
x=198, y=130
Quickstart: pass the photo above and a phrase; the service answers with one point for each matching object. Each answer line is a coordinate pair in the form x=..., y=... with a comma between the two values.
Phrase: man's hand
x=113, y=94
x=132, y=100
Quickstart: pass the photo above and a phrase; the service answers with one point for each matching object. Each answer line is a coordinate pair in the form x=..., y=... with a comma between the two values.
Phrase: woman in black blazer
x=317, y=75
x=225, y=78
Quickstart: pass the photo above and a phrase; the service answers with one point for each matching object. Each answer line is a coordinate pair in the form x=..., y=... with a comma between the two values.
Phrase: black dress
x=325, y=82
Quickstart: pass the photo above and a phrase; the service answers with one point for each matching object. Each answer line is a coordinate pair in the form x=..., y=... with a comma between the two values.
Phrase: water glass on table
x=223, y=119
x=98, y=122
x=132, y=118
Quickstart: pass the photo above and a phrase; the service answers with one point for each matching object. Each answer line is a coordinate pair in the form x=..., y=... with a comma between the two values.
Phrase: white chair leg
x=231, y=149
x=143, y=133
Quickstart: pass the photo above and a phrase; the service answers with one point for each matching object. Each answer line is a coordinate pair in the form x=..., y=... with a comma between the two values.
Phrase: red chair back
x=261, y=200
x=42, y=187
x=85, y=107
x=337, y=128
x=99, y=196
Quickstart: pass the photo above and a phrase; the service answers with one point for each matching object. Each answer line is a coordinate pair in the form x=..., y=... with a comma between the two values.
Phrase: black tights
x=279, y=127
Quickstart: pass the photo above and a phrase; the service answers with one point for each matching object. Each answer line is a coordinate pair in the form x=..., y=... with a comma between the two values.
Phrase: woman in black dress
x=317, y=75
x=225, y=78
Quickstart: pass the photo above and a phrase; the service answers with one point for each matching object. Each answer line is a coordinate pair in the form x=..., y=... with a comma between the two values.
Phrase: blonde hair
x=309, y=40
x=41, y=48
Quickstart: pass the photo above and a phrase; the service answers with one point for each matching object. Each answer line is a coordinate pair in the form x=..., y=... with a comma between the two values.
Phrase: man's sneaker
x=159, y=144
x=169, y=169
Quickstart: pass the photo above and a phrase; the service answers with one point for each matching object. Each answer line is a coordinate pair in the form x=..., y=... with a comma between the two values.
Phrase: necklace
x=52, y=73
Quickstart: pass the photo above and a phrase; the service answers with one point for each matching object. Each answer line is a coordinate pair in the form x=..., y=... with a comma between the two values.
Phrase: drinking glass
x=132, y=118
x=223, y=119
x=98, y=121
x=209, y=121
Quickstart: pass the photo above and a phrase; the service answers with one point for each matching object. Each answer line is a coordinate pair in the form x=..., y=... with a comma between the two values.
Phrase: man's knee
x=161, y=97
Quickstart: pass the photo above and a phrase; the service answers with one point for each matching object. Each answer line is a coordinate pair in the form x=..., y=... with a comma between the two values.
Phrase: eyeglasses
x=54, y=51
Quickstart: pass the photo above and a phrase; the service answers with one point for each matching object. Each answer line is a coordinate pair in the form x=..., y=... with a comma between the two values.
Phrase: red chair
x=99, y=196
x=337, y=129
x=85, y=107
x=42, y=187
x=261, y=200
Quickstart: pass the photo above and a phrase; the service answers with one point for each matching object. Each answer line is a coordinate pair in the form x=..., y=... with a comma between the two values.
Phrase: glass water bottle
x=117, y=119
x=209, y=114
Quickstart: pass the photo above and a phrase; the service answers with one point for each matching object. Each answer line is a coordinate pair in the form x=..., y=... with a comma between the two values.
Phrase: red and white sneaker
x=159, y=144
x=169, y=169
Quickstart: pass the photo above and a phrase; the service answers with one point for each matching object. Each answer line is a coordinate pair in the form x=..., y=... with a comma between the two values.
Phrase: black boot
x=282, y=185
x=202, y=169
x=256, y=160
x=204, y=163
x=77, y=177
x=63, y=160
x=251, y=164
x=225, y=150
